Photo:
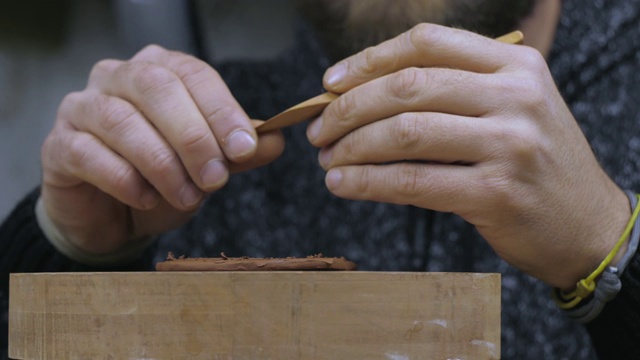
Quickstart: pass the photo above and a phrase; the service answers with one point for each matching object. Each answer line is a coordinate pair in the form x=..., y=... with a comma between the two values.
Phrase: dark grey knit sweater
x=284, y=209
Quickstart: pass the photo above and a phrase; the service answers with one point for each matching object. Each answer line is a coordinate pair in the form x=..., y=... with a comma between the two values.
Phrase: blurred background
x=47, y=49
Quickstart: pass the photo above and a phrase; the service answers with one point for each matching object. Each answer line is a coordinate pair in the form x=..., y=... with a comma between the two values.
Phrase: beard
x=345, y=27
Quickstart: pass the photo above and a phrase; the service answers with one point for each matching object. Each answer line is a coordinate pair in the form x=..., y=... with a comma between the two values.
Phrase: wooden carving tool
x=299, y=113
x=314, y=106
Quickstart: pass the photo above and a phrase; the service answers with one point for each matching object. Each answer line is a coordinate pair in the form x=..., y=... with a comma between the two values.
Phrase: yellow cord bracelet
x=587, y=286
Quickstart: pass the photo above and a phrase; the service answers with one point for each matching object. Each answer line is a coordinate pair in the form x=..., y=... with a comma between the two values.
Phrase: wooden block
x=254, y=315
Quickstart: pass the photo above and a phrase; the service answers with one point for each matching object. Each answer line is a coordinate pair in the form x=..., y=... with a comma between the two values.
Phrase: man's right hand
x=135, y=153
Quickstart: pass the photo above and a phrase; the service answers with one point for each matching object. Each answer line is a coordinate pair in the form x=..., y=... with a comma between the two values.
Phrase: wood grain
x=254, y=315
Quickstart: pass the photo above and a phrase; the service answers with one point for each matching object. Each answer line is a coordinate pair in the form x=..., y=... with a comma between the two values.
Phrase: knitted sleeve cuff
x=24, y=247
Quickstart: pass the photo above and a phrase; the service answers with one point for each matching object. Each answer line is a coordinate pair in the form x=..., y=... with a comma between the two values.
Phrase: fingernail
x=333, y=179
x=190, y=195
x=149, y=199
x=314, y=129
x=335, y=74
x=240, y=143
x=214, y=174
x=325, y=157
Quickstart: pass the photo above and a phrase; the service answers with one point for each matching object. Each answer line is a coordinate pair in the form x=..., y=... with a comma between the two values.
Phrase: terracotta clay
x=224, y=263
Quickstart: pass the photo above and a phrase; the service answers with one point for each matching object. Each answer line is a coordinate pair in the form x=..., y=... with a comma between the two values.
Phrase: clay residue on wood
x=244, y=263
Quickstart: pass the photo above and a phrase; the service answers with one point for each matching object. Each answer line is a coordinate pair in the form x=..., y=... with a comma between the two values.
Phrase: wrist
x=129, y=251
x=597, y=239
x=602, y=285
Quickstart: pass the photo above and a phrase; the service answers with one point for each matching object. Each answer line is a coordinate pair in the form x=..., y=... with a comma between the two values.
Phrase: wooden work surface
x=254, y=315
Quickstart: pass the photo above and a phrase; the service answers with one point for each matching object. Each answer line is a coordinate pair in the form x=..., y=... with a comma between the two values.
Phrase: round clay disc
x=255, y=264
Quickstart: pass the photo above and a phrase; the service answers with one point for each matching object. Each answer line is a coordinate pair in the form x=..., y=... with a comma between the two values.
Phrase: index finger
x=425, y=45
x=226, y=118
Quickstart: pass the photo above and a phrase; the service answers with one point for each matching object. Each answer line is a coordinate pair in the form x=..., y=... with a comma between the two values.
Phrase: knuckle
x=79, y=149
x=70, y=104
x=101, y=68
x=116, y=117
x=532, y=59
x=344, y=107
x=535, y=96
x=349, y=147
x=148, y=78
x=534, y=72
x=407, y=84
x=526, y=94
x=190, y=68
x=423, y=36
x=410, y=180
x=520, y=153
x=521, y=145
x=369, y=62
x=502, y=188
x=496, y=185
x=194, y=139
x=151, y=51
x=364, y=181
x=48, y=149
x=406, y=131
x=511, y=140
x=162, y=163
x=47, y=145
x=223, y=113
x=122, y=177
